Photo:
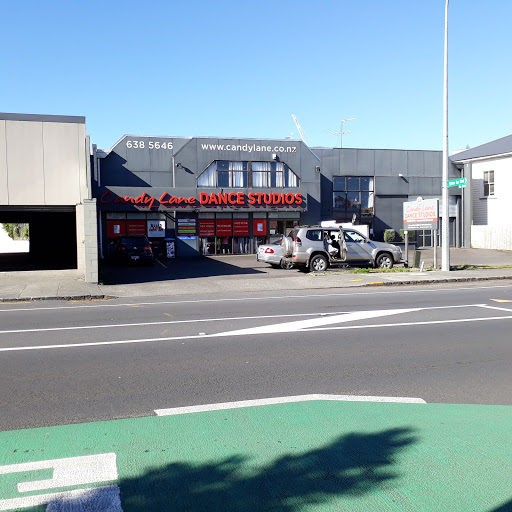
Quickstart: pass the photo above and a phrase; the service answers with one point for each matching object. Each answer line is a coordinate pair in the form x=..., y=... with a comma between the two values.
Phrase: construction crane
x=301, y=132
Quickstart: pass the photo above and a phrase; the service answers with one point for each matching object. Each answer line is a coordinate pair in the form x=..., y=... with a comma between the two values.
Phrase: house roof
x=495, y=147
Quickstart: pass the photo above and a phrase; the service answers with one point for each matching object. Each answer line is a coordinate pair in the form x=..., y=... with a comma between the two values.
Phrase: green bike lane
x=319, y=455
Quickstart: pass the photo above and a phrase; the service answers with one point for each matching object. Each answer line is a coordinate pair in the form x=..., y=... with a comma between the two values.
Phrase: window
x=224, y=174
x=314, y=234
x=273, y=175
x=352, y=195
x=488, y=183
x=352, y=236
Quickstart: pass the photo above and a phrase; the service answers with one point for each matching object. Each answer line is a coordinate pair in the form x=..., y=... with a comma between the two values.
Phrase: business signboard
x=421, y=214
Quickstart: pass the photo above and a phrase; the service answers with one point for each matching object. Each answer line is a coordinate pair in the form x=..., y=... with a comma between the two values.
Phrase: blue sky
x=241, y=69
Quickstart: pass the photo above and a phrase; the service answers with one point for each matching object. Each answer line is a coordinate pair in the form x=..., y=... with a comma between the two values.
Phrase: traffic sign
x=459, y=182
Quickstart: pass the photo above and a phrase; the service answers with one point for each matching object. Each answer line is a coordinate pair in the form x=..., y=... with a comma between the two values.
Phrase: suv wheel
x=384, y=260
x=318, y=263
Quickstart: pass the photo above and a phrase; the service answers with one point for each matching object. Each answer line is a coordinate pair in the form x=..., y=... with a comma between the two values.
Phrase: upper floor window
x=273, y=175
x=353, y=195
x=488, y=183
x=226, y=174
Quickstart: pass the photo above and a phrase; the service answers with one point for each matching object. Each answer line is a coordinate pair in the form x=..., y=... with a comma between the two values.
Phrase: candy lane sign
x=421, y=214
x=219, y=199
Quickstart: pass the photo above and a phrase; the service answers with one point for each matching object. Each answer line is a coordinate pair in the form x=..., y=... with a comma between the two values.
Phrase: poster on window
x=135, y=227
x=241, y=227
x=156, y=228
x=206, y=227
x=224, y=227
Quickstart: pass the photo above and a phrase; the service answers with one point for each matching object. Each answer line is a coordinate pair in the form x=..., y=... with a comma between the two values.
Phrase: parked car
x=316, y=248
x=133, y=249
x=272, y=254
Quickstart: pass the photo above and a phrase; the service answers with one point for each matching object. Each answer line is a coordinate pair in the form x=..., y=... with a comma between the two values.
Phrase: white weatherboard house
x=486, y=200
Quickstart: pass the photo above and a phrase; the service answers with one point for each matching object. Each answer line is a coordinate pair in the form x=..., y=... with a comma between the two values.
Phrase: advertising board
x=421, y=214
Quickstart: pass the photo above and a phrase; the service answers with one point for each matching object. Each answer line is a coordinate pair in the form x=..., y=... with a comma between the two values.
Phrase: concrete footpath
x=239, y=273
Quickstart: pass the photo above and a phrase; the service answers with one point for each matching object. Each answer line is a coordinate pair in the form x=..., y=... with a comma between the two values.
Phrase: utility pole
x=445, y=226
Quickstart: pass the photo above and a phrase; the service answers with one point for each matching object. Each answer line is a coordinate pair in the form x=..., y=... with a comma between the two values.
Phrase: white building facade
x=486, y=199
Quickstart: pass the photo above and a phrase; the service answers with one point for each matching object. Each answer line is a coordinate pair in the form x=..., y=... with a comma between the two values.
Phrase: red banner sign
x=206, y=227
x=240, y=227
x=224, y=227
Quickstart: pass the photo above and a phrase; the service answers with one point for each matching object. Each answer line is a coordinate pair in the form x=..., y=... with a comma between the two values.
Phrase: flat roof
x=42, y=118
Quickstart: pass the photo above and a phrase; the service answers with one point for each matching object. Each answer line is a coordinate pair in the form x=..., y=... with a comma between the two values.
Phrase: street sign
x=458, y=182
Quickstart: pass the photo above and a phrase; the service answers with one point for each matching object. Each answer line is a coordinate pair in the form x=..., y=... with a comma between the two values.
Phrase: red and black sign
x=219, y=199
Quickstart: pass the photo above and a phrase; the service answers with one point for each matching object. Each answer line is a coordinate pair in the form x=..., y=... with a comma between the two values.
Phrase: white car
x=273, y=255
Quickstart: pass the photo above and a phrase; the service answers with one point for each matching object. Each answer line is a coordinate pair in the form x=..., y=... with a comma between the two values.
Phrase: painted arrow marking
x=317, y=322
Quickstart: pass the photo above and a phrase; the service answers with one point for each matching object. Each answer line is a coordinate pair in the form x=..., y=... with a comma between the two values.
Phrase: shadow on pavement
x=506, y=507
x=353, y=465
x=169, y=270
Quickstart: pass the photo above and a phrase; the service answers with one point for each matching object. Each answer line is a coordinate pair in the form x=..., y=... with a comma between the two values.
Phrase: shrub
x=410, y=235
x=389, y=235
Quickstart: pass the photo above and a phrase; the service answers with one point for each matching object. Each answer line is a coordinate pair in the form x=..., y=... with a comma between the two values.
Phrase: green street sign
x=459, y=182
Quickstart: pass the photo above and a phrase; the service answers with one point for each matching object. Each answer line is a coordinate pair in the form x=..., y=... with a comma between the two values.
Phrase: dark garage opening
x=52, y=240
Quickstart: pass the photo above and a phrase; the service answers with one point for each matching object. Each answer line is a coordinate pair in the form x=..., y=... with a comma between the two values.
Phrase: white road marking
x=143, y=324
x=207, y=320
x=497, y=307
x=67, y=472
x=316, y=322
x=285, y=400
x=240, y=333
x=239, y=299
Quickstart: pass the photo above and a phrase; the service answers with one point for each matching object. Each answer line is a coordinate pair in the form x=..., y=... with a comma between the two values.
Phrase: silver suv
x=316, y=248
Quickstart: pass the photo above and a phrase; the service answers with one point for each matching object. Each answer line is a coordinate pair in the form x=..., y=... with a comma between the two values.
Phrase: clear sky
x=241, y=69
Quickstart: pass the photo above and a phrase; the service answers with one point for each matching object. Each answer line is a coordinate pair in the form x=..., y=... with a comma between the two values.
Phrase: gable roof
x=495, y=147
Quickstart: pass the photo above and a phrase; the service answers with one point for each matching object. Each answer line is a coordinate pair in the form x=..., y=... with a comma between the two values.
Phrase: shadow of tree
x=505, y=507
x=352, y=465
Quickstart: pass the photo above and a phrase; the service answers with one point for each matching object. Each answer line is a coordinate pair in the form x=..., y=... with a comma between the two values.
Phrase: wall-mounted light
x=179, y=166
x=400, y=175
x=275, y=157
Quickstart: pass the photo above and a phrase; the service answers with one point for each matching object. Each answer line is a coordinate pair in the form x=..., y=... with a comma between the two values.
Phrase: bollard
x=417, y=258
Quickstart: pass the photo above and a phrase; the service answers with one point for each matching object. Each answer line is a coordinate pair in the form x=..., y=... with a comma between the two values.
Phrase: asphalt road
x=87, y=361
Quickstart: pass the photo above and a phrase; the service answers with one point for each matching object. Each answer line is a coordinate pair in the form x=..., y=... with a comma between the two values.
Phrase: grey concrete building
x=169, y=181
x=45, y=182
